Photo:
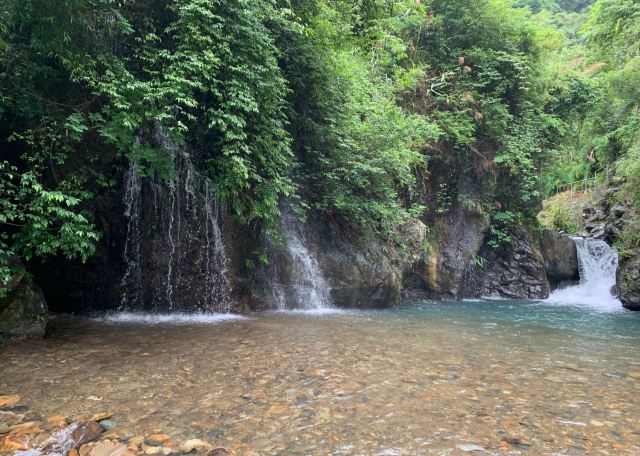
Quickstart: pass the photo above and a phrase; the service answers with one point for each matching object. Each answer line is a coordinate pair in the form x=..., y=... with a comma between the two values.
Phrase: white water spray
x=597, y=263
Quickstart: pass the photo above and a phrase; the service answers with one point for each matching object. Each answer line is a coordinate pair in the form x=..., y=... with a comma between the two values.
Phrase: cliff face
x=171, y=245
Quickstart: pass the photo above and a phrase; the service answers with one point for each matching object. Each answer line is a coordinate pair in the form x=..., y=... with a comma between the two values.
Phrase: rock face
x=560, y=258
x=358, y=273
x=371, y=274
x=606, y=219
x=452, y=243
x=23, y=311
x=629, y=282
x=515, y=271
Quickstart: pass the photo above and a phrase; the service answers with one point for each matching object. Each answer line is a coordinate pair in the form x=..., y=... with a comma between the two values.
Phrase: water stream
x=174, y=254
x=597, y=263
x=307, y=288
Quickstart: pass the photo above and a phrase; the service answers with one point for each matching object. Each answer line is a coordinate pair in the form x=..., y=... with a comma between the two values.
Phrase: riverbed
x=475, y=377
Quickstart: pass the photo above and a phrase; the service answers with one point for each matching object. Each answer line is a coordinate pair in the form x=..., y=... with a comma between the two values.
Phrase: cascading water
x=307, y=288
x=597, y=263
x=180, y=263
x=132, y=278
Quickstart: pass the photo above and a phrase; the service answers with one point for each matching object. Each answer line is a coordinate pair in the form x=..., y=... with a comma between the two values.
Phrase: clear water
x=423, y=378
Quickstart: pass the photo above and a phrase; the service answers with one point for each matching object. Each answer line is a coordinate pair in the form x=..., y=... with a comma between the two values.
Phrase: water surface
x=423, y=378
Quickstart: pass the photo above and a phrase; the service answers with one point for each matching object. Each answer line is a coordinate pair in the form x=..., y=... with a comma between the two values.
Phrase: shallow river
x=424, y=378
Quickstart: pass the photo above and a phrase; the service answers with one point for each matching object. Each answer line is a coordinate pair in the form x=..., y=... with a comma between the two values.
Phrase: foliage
x=339, y=106
x=38, y=222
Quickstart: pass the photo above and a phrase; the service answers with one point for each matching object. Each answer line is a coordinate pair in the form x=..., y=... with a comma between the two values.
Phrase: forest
x=339, y=107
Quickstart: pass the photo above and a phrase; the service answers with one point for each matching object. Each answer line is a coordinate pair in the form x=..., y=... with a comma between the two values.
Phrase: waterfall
x=598, y=263
x=306, y=287
x=180, y=263
x=132, y=296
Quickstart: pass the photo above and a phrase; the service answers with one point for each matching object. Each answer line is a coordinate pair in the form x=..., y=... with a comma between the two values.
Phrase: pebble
x=194, y=444
x=156, y=439
x=219, y=452
x=86, y=432
x=13, y=443
x=4, y=428
x=136, y=441
x=108, y=448
x=9, y=401
x=108, y=424
x=57, y=419
x=30, y=427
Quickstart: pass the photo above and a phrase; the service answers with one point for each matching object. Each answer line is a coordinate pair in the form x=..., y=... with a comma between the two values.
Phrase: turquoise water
x=528, y=316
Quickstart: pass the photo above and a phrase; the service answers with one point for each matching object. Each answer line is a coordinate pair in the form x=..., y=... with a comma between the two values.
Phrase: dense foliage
x=339, y=106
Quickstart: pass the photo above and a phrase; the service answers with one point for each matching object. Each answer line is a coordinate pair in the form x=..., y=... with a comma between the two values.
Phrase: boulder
x=23, y=310
x=628, y=279
x=560, y=258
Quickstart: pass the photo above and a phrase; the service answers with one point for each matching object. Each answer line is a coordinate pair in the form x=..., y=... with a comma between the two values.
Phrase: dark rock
x=560, y=258
x=219, y=452
x=86, y=432
x=23, y=310
x=618, y=211
x=513, y=271
x=14, y=408
x=628, y=279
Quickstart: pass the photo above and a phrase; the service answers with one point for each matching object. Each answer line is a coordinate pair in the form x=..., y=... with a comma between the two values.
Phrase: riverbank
x=425, y=378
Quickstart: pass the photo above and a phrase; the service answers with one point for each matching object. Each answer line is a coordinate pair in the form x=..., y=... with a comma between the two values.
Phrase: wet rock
x=12, y=443
x=359, y=274
x=8, y=401
x=23, y=310
x=108, y=448
x=192, y=445
x=156, y=439
x=560, y=257
x=514, y=270
x=628, y=279
x=86, y=432
x=10, y=418
x=516, y=441
x=219, y=452
x=136, y=441
x=57, y=419
x=28, y=427
x=108, y=425
x=14, y=409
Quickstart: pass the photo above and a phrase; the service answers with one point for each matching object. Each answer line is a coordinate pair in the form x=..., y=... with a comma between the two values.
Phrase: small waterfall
x=598, y=263
x=306, y=287
x=132, y=295
x=180, y=263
